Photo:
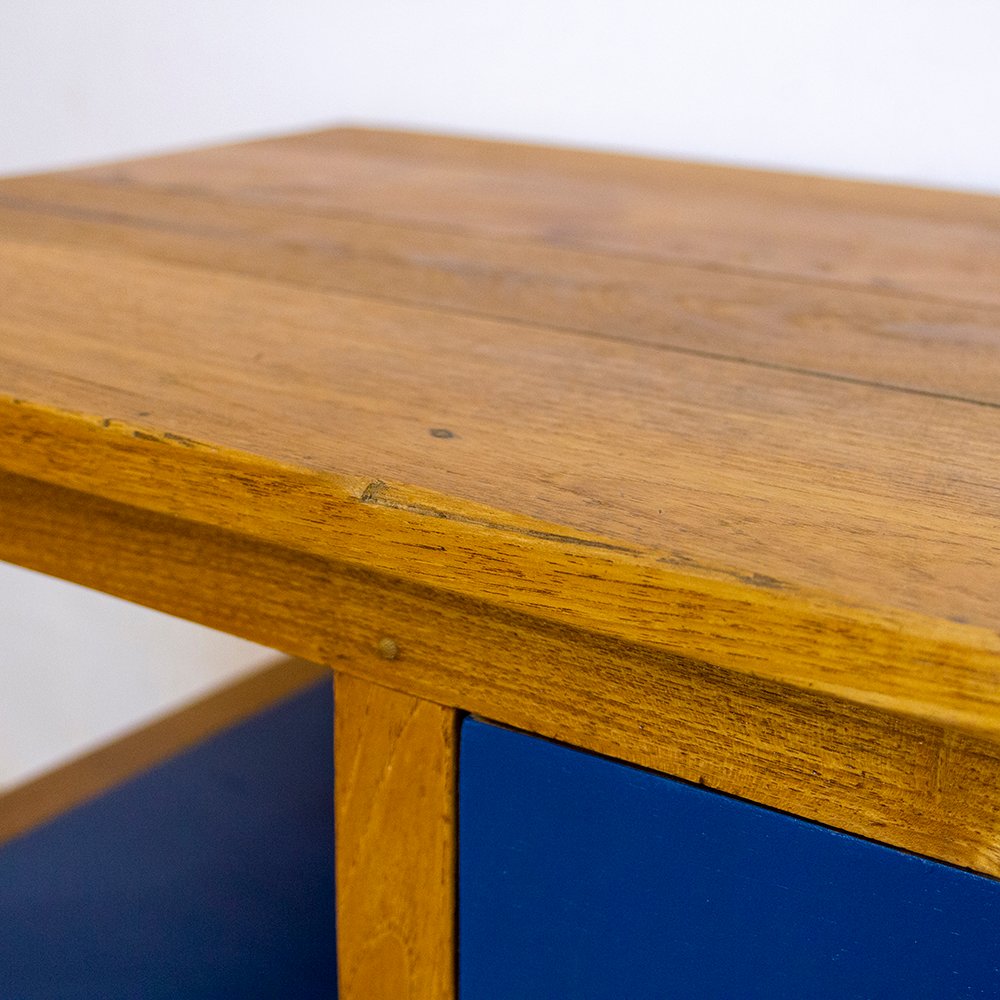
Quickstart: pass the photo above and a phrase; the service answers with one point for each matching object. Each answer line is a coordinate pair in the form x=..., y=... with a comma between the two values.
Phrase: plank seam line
x=20, y=203
x=553, y=327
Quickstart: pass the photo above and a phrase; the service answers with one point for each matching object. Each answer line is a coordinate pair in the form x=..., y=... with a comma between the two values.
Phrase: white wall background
x=905, y=90
x=900, y=89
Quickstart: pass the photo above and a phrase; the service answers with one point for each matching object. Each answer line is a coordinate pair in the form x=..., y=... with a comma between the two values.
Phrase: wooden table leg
x=395, y=771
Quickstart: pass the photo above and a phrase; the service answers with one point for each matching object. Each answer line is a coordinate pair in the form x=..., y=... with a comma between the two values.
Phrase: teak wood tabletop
x=691, y=466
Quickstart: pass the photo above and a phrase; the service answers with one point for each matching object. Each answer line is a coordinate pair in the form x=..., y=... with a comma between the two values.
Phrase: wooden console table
x=691, y=467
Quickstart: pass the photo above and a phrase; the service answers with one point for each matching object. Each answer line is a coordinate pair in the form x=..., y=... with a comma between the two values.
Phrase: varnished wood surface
x=923, y=242
x=735, y=419
x=69, y=785
x=916, y=785
x=834, y=535
x=395, y=765
x=866, y=334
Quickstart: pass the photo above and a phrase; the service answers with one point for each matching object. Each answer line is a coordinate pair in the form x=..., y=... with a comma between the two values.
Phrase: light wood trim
x=868, y=770
x=395, y=770
x=43, y=798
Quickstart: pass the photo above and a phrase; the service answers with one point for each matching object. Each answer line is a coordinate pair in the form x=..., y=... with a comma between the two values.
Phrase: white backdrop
x=905, y=90
x=900, y=89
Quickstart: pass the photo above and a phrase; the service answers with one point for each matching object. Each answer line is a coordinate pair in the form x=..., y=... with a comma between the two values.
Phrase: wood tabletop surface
x=723, y=417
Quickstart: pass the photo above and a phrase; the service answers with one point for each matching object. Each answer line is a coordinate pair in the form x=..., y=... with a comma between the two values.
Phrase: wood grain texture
x=43, y=798
x=928, y=243
x=912, y=784
x=866, y=335
x=839, y=537
x=675, y=413
x=395, y=766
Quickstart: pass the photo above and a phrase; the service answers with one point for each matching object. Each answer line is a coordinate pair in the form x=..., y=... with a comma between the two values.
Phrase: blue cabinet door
x=584, y=878
x=208, y=877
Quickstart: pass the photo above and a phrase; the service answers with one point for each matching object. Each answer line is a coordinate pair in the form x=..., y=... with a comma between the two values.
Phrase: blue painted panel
x=211, y=875
x=583, y=878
